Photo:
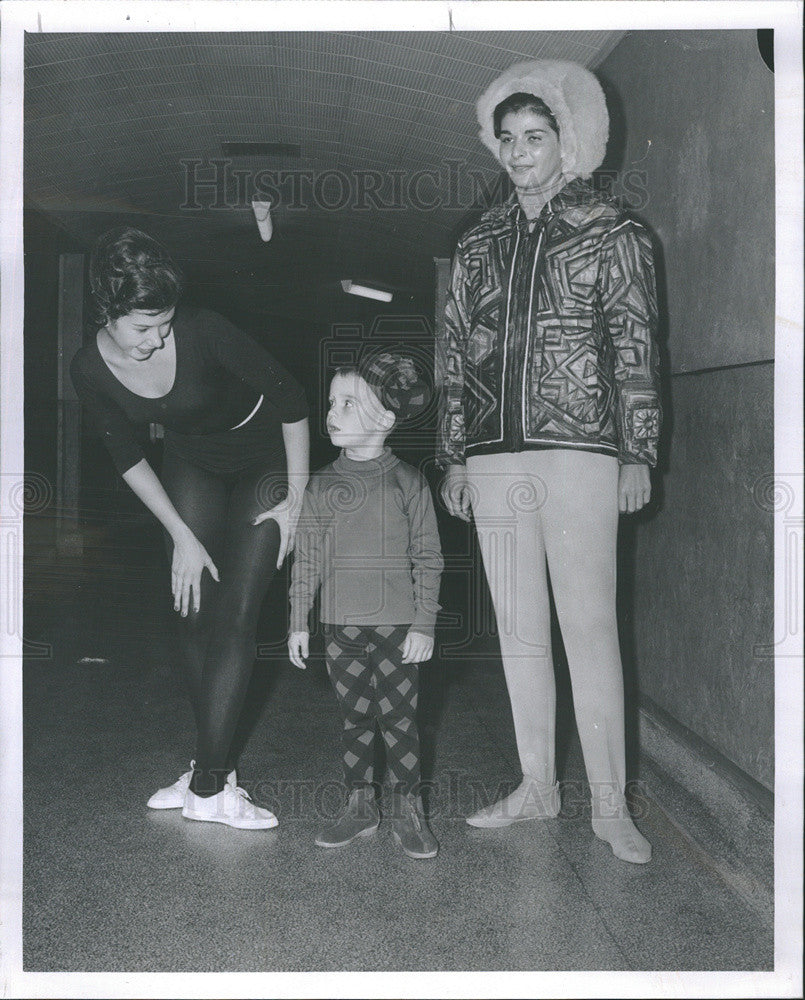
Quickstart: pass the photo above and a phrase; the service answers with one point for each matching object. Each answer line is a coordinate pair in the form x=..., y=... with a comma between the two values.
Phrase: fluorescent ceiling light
x=367, y=293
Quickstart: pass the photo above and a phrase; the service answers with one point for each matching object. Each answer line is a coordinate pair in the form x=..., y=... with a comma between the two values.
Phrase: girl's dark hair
x=130, y=270
x=519, y=102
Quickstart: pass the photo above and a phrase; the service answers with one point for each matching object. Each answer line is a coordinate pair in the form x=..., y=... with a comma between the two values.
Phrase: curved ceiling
x=378, y=162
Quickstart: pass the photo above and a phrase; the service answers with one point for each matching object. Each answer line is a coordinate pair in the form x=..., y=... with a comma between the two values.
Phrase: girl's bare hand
x=298, y=648
x=456, y=492
x=634, y=488
x=417, y=648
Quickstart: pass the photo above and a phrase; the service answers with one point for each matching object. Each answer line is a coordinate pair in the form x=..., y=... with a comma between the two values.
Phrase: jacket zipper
x=505, y=367
x=513, y=376
x=527, y=352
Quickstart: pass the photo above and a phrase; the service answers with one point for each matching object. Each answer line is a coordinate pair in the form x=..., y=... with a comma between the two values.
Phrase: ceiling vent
x=261, y=149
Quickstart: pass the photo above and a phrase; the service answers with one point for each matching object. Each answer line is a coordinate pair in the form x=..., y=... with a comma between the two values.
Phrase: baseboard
x=715, y=807
x=707, y=769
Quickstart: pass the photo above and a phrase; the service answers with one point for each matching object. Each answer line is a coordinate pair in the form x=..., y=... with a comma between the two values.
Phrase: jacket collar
x=573, y=195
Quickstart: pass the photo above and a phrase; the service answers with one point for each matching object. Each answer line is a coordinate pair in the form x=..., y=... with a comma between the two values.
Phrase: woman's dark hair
x=130, y=270
x=519, y=102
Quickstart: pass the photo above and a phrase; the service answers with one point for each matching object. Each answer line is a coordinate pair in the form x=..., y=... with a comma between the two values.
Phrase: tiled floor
x=112, y=886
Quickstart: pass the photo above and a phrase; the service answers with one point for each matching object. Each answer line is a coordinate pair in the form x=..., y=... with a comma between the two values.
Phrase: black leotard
x=220, y=375
x=219, y=477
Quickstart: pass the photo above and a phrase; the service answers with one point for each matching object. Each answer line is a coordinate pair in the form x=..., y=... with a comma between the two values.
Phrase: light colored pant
x=560, y=508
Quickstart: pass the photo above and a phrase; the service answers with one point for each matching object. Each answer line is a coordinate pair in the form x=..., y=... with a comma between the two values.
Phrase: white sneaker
x=232, y=806
x=172, y=797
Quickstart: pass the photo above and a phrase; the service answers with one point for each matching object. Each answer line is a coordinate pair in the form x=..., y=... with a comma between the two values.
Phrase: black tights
x=218, y=643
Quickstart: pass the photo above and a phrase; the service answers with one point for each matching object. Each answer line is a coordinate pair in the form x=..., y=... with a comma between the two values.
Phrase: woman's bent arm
x=189, y=555
x=296, y=438
x=143, y=480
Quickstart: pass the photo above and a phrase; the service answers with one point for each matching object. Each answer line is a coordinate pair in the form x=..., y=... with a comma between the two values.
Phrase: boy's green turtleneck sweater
x=367, y=534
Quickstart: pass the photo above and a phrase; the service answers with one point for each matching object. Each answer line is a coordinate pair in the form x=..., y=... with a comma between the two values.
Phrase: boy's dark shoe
x=359, y=818
x=410, y=828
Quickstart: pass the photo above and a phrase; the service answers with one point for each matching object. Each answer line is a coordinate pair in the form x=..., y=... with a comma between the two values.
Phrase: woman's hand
x=298, y=648
x=189, y=561
x=189, y=555
x=417, y=648
x=286, y=514
x=634, y=488
x=456, y=491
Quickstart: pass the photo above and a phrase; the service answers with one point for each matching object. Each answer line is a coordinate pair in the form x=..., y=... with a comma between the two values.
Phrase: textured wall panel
x=694, y=116
x=692, y=120
x=701, y=583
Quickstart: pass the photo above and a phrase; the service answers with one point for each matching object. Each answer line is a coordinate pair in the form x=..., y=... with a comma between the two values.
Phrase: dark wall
x=693, y=127
x=703, y=602
x=43, y=243
x=693, y=134
x=101, y=489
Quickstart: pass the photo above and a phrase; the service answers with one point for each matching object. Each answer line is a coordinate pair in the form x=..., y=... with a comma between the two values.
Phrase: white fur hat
x=574, y=96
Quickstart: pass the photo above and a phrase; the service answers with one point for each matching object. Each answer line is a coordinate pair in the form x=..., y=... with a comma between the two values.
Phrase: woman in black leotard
x=234, y=468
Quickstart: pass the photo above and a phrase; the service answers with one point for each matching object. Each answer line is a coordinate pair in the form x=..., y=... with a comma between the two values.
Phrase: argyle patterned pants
x=374, y=687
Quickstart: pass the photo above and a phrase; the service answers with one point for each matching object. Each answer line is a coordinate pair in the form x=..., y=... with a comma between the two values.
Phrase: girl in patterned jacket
x=549, y=420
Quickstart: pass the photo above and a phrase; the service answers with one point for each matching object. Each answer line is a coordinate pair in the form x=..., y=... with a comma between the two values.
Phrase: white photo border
x=785, y=17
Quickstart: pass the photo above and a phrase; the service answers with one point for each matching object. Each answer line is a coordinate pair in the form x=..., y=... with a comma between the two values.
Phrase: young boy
x=367, y=534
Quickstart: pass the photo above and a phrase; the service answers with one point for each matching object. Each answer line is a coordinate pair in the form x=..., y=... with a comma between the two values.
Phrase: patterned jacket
x=549, y=336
